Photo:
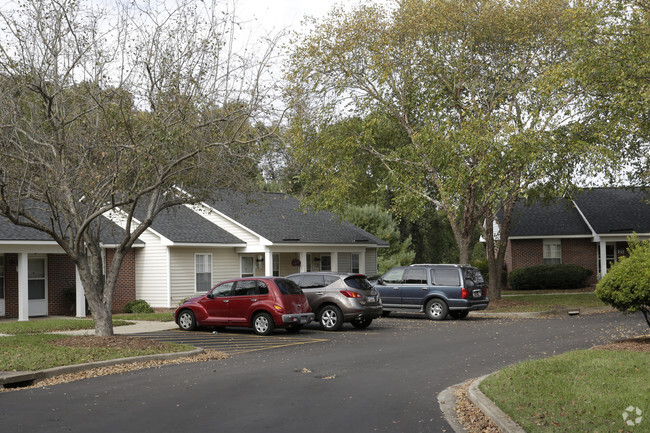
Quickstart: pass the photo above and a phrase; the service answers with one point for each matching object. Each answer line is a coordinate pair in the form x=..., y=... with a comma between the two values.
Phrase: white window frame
x=355, y=260
x=552, y=251
x=241, y=266
x=209, y=271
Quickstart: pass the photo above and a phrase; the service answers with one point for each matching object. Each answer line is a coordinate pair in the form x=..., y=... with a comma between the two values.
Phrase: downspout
x=596, y=238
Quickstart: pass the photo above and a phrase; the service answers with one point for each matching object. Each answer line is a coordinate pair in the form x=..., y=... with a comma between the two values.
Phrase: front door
x=2, y=285
x=37, y=286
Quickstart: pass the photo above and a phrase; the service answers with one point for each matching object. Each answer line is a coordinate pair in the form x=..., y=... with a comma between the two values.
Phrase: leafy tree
x=478, y=89
x=626, y=286
x=380, y=223
x=109, y=111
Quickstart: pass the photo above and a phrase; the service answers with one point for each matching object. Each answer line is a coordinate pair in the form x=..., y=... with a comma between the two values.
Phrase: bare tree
x=111, y=109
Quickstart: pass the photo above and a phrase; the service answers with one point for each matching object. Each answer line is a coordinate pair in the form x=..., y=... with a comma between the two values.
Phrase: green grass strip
x=581, y=391
x=153, y=317
x=39, y=326
x=534, y=303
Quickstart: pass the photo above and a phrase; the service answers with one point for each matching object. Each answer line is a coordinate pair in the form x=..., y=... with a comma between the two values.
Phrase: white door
x=2, y=286
x=37, y=286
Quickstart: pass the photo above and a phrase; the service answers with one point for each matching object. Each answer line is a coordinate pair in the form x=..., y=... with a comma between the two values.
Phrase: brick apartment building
x=590, y=229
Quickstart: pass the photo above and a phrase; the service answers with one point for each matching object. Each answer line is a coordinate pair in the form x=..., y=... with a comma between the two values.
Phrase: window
x=222, y=290
x=245, y=288
x=325, y=263
x=308, y=262
x=610, y=255
x=276, y=265
x=2, y=277
x=247, y=267
x=394, y=276
x=552, y=251
x=203, y=270
x=355, y=263
x=446, y=277
x=415, y=276
x=36, y=279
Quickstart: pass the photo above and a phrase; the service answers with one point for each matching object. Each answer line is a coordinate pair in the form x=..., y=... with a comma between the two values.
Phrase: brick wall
x=530, y=252
x=11, y=285
x=61, y=278
x=125, y=286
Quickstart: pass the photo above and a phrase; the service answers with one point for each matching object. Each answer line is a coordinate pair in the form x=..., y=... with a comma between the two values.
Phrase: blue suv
x=436, y=290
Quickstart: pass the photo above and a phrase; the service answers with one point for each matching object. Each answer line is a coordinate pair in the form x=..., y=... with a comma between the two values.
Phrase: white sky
x=275, y=15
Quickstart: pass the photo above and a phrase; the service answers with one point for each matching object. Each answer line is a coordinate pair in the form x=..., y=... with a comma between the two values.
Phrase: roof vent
x=290, y=240
x=361, y=240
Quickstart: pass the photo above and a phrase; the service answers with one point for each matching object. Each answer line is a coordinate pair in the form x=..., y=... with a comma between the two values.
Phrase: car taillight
x=351, y=294
x=485, y=292
x=464, y=293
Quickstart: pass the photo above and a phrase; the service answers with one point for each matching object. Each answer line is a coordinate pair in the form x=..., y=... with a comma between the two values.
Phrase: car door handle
x=226, y=300
x=320, y=293
x=395, y=288
x=254, y=300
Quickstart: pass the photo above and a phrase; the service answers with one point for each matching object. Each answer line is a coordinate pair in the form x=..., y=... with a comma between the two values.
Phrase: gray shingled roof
x=608, y=210
x=278, y=218
x=182, y=225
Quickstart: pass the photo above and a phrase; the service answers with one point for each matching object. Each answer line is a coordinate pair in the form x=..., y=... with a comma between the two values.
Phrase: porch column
x=603, y=258
x=80, y=298
x=335, y=261
x=268, y=263
x=23, y=288
x=303, y=262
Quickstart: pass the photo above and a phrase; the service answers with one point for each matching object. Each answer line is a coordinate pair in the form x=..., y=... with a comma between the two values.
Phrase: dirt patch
x=638, y=344
x=506, y=303
x=114, y=342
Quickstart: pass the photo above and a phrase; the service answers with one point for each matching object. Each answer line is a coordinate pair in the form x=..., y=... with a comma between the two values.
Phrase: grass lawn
x=581, y=391
x=544, y=302
x=37, y=352
x=48, y=325
x=167, y=316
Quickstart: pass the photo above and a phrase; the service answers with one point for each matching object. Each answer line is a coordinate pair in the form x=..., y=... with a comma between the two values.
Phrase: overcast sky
x=275, y=15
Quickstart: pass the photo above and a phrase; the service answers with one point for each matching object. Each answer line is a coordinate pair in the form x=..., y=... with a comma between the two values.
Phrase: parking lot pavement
x=231, y=342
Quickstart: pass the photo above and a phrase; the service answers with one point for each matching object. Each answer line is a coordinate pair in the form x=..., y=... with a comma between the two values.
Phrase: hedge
x=549, y=277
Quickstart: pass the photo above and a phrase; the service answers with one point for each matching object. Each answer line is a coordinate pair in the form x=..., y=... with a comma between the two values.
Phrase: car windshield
x=288, y=287
x=358, y=282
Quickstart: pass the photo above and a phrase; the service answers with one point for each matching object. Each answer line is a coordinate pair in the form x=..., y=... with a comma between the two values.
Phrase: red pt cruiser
x=259, y=303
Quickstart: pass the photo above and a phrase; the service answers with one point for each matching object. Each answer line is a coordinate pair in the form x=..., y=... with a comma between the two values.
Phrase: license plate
x=371, y=299
x=478, y=293
x=303, y=320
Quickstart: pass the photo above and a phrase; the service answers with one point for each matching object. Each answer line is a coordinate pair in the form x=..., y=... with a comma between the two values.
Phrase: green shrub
x=138, y=306
x=626, y=286
x=549, y=277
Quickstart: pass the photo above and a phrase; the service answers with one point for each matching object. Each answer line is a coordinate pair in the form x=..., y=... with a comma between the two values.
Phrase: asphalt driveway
x=385, y=378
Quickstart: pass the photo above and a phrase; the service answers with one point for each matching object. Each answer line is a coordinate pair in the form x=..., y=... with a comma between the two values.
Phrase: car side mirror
x=210, y=296
x=380, y=281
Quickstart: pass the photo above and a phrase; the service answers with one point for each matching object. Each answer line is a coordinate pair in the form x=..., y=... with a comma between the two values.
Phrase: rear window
x=473, y=274
x=358, y=282
x=287, y=287
x=446, y=277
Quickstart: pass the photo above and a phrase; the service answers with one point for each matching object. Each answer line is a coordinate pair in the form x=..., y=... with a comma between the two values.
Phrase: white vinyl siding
x=371, y=262
x=151, y=272
x=225, y=266
x=344, y=262
x=552, y=251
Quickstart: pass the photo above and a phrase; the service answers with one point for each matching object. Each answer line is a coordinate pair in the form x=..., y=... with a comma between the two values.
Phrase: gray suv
x=337, y=297
x=436, y=290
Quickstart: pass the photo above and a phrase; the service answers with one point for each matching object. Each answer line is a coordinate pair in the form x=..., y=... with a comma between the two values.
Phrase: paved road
x=383, y=379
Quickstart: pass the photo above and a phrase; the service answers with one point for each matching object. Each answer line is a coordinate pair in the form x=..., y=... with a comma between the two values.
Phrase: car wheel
x=263, y=324
x=436, y=309
x=186, y=320
x=331, y=318
x=294, y=329
x=458, y=314
x=361, y=323
x=385, y=313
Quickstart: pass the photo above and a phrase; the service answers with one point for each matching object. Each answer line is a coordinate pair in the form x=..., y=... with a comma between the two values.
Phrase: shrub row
x=138, y=306
x=549, y=277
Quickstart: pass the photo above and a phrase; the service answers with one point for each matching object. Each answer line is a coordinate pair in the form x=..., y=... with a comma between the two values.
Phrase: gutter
x=593, y=232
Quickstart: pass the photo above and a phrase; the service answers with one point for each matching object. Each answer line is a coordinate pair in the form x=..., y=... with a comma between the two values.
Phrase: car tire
x=294, y=329
x=187, y=320
x=436, y=309
x=361, y=323
x=263, y=324
x=385, y=313
x=458, y=314
x=330, y=318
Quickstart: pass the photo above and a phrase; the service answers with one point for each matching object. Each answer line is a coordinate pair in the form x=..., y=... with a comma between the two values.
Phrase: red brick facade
x=575, y=251
x=61, y=277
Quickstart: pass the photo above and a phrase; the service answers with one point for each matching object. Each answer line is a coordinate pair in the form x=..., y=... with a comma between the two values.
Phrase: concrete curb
x=505, y=423
x=536, y=314
x=26, y=377
x=447, y=402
